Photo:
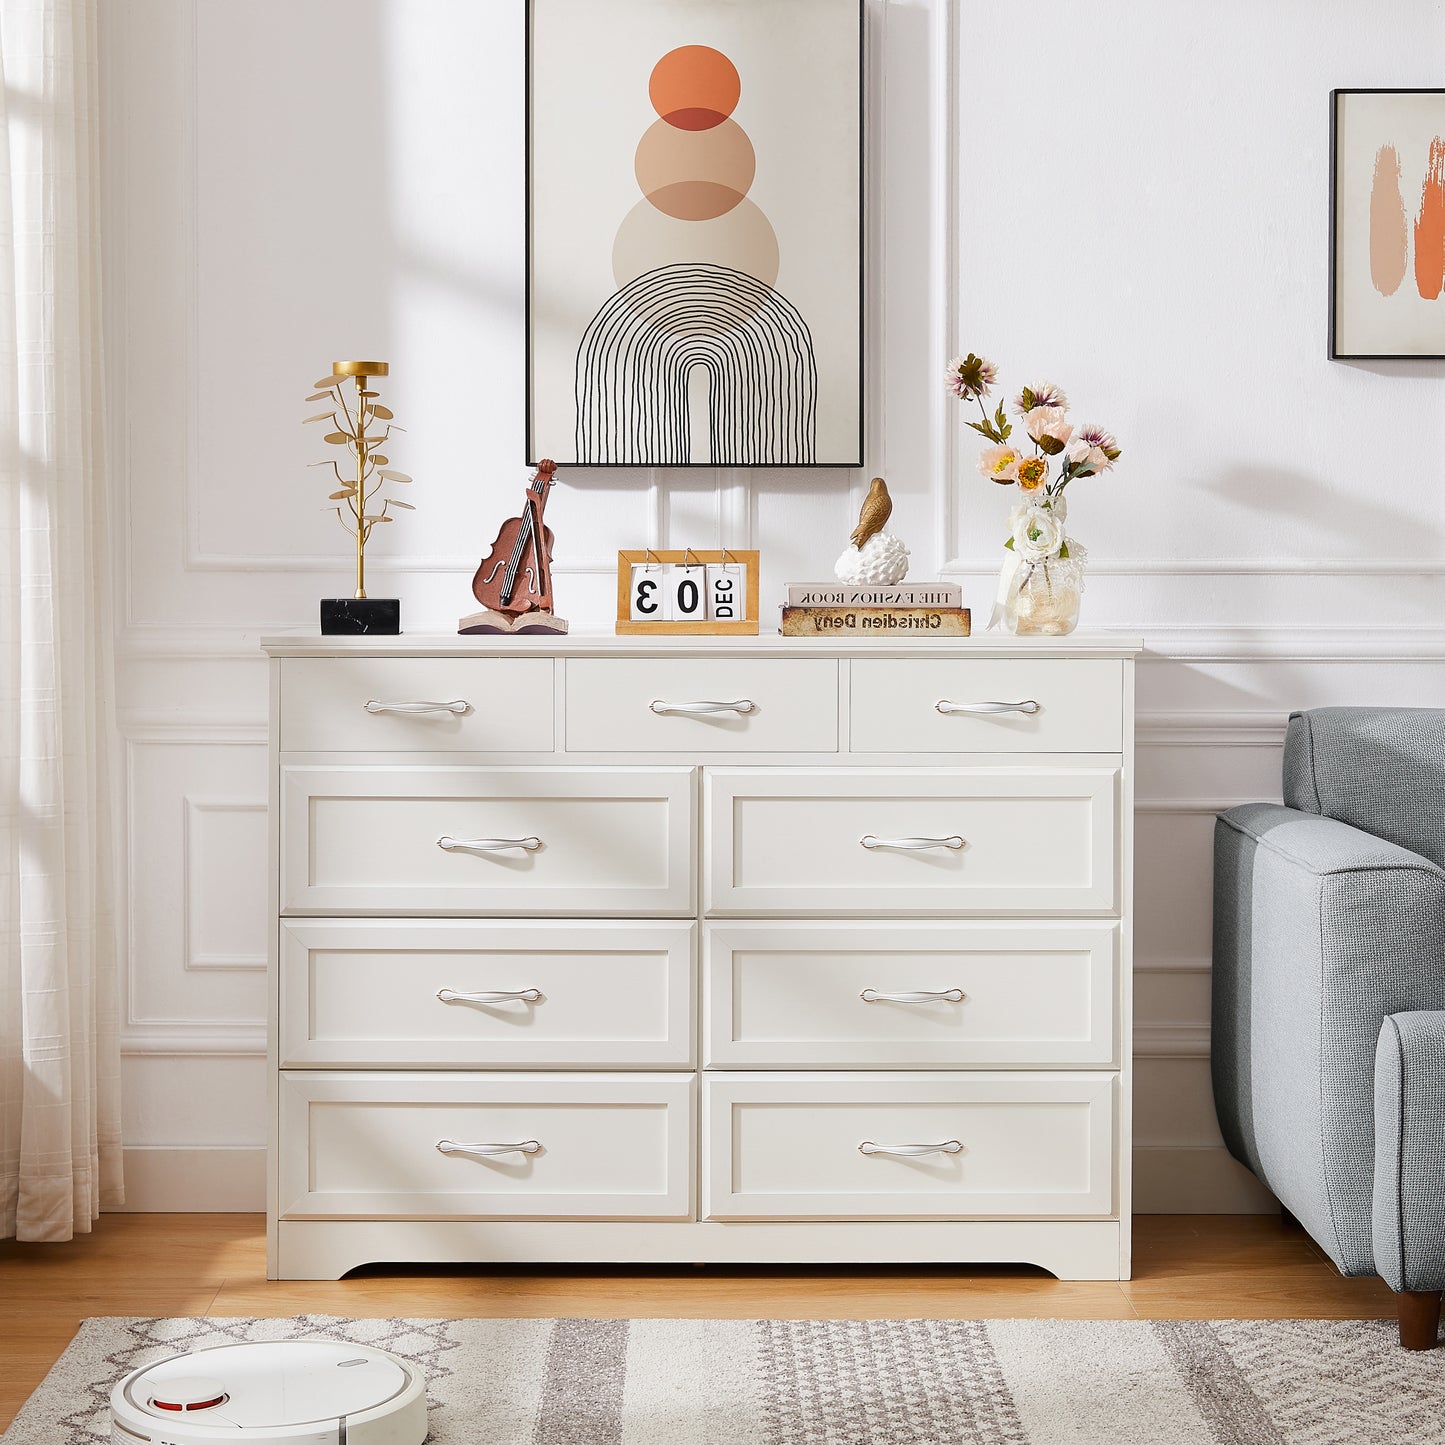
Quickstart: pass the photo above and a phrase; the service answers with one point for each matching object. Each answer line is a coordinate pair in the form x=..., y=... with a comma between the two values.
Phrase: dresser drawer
x=417, y=704
x=1059, y=705
x=816, y=1146
x=599, y=1146
x=509, y=841
x=814, y=841
x=661, y=705
x=906, y=995
x=424, y=993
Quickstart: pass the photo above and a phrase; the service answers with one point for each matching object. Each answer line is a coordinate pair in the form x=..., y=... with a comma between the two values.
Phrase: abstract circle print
x=696, y=357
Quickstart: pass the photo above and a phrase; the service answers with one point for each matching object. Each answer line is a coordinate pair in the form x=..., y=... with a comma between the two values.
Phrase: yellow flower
x=1033, y=473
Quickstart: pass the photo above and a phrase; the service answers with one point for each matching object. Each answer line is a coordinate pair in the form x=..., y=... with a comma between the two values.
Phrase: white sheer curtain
x=60, y=1151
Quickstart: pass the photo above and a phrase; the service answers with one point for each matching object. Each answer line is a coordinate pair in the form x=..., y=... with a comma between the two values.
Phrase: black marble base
x=360, y=616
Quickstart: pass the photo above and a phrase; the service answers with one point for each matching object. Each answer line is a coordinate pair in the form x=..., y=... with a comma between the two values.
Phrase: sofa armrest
x=1321, y=931
x=1409, y=1212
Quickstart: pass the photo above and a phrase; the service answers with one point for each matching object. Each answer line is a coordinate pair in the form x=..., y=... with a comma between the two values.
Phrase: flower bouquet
x=1043, y=575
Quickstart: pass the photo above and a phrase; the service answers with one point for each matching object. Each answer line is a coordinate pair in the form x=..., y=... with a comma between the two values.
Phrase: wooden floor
x=1185, y=1267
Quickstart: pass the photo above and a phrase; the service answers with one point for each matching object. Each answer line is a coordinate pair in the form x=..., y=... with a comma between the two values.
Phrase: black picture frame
x=859, y=459
x=1334, y=352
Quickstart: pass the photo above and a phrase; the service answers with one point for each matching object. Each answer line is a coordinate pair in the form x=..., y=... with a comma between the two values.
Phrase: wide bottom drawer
x=898, y=1146
x=485, y=1146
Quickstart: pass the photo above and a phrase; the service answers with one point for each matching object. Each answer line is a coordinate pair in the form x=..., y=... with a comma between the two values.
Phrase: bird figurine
x=873, y=557
x=874, y=514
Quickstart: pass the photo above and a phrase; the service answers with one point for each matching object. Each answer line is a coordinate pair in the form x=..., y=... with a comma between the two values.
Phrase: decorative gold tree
x=359, y=505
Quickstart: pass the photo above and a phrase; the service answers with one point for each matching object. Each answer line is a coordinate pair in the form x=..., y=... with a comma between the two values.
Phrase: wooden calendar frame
x=747, y=626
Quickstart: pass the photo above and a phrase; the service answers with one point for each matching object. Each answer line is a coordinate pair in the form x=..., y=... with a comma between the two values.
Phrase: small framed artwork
x=676, y=593
x=695, y=268
x=1387, y=224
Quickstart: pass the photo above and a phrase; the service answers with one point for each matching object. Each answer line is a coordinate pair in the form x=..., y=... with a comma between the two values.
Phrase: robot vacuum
x=283, y=1392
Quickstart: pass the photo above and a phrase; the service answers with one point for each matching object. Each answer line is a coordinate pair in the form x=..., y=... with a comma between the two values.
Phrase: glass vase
x=1048, y=599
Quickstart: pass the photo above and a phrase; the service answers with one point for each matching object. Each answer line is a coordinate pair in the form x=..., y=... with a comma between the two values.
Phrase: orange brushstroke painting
x=1430, y=227
x=1389, y=225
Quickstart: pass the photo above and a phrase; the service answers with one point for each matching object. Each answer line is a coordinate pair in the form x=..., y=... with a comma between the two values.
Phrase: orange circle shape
x=695, y=175
x=694, y=87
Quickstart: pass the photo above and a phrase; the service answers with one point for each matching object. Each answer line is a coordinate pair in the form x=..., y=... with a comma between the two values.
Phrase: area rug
x=834, y=1382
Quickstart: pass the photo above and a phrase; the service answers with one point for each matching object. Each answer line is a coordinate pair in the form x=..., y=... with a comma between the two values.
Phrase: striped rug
x=817, y=1382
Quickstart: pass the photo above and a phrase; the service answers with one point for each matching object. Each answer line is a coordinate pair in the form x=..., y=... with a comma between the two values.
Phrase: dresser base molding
x=1068, y=1249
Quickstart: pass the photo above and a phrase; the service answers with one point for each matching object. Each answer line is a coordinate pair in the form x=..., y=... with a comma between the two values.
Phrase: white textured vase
x=879, y=562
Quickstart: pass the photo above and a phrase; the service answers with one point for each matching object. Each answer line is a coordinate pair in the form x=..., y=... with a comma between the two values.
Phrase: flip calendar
x=687, y=591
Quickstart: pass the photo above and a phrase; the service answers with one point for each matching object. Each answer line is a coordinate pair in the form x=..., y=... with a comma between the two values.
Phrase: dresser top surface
x=605, y=644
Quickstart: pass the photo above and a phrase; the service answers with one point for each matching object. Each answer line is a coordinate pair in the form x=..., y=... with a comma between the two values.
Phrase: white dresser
x=750, y=950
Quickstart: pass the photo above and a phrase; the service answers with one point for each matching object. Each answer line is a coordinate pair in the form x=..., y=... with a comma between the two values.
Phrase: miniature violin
x=516, y=575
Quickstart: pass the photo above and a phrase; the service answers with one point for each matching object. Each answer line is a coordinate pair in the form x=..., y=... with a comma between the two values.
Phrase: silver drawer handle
x=911, y=1151
x=944, y=706
x=452, y=1146
x=456, y=707
x=526, y=995
x=946, y=995
x=742, y=705
x=487, y=845
x=911, y=845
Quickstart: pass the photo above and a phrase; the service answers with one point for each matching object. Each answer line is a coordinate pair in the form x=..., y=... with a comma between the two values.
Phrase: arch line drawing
x=637, y=360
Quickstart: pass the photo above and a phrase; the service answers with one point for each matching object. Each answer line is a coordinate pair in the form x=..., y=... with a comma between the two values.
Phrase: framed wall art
x=1387, y=224
x=695, y=232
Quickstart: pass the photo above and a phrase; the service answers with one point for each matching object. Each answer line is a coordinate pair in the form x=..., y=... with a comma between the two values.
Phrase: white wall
x=289, y=183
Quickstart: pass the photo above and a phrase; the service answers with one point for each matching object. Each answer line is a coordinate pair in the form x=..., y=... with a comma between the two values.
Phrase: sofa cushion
x=1380, y=769
x=1409, y=1211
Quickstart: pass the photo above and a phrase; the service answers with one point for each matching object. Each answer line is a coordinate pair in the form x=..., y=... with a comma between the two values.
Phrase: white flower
x=1046, y=393
x=1037, y=533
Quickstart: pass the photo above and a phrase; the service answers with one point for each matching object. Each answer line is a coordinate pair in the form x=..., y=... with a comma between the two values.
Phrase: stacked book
x=900, y=609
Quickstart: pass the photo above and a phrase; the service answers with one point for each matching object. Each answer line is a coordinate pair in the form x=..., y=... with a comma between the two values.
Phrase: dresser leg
x=1419, y=1318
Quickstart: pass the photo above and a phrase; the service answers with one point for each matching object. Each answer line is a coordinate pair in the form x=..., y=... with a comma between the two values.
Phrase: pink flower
x=1095, y=448
x=1049, y=428
x=1000, y=464
x=1044, y=394
x=971, y=376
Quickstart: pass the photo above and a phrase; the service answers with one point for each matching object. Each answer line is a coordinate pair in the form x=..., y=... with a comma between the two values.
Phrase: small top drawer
x=997, y=705
x=702, y=705
x=417, y=704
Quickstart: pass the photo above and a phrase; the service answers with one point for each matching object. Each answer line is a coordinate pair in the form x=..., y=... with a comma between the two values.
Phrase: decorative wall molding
x=1196, y=1179
x=1203, y=729
x=1244, y=643
x=1188, y=807
x=1174, y=965
x=1327, y=644
x=197, y=642
x=194, y=727
x=1233, y=567
x=945, y=283
x=160, y=1038
x=1171, y=1041
x=193, y=1180
x=193, y=957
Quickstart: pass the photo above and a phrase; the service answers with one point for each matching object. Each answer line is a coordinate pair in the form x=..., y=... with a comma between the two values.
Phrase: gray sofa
x=1329, y=995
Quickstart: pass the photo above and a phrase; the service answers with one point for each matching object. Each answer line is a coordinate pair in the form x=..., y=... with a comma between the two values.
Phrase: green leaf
x=1010, y=544
x=1006, y=431
x=1029, y=399
x=984, y=428
x=1064, y=550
